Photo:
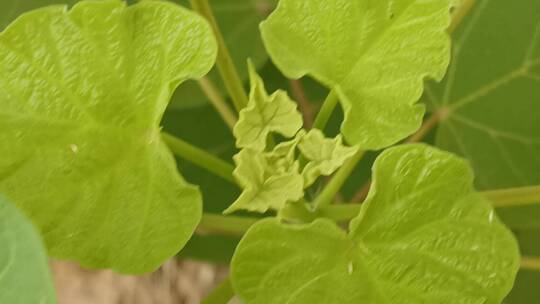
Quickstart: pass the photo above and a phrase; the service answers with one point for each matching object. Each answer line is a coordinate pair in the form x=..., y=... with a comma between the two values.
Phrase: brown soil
x=176, y=282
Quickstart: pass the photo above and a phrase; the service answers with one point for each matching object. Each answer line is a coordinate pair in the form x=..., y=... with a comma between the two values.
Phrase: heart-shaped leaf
x=423, y=236
x=374, y=54
x=24, y=269
x=82, y=93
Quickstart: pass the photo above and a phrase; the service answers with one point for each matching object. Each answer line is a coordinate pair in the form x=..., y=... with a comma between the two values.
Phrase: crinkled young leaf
x=265, y=187
x=82, y=93
x=423, y=236
x=325, y=155
x=491, y=98
x=24, y=269
x=282, y=158
x=265, y=114
x=374, y=54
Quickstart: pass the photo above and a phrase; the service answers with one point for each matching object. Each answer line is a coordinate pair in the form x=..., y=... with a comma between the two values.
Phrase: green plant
x=84, y=96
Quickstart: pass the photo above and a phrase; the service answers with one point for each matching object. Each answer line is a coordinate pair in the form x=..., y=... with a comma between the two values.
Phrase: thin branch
x=428, y=125
x=334, y=185
x=306, y=108
x=461, y=11
x=326, y=111
x=500, y=198
x=514, y=196
x=530, y=263
x=361, y=194
x=217, y=224
x=224, y=62
x=213, y=94
x=199, y=157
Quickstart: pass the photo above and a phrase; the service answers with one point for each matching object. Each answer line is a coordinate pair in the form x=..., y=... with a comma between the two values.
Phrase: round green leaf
x=374, y=54
x=24, y=269
x=82, y=93
x=423, y=236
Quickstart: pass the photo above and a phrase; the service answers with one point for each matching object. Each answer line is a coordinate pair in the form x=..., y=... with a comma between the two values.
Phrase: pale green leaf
x=423, y=236
x=24, y=269
x=374, y=54
x=325, y=155
x=264, y=187
x=490, y=99
x=265, y=114
x=283, y=157
x=82, y=93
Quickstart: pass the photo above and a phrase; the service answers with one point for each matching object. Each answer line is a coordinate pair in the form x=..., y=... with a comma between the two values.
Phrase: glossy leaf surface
x=82, y=93
x=24, y=268
x=374, y=54
x=423, y=236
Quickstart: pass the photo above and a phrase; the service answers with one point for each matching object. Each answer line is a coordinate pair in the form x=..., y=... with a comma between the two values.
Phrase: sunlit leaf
x=374, y=54
x=423, y=236
x=265, y=114
x=24, y=269
x=82, y=93
x=325, y=155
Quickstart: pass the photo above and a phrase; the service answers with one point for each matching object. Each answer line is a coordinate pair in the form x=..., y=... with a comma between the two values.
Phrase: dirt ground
x=176, y=282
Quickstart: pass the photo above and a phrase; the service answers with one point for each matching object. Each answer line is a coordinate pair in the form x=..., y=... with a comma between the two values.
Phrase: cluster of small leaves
x=273, y=176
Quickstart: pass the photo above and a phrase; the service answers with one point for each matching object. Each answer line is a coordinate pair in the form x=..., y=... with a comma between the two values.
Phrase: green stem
x=218, y=102
x=199, y=157
x=225, y=224
x=224, y=62
x=530, y=263
x=460, y=13
x=326, y=111
x=340, y=213
x=222, y=294
x=298, y=212
x=514, y=196
x=499, y=198
x=337, y=181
